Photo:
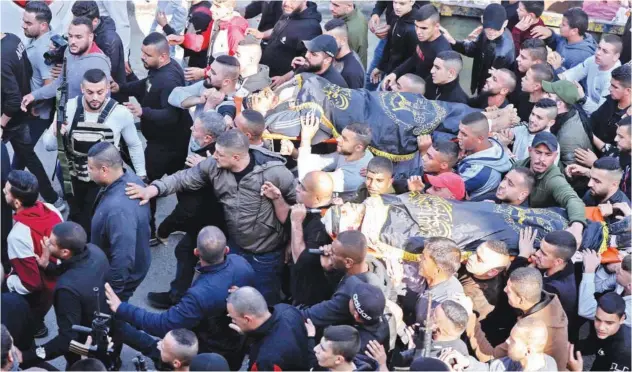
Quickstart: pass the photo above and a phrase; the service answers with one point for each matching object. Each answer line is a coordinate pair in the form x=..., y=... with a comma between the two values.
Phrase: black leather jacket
x=401, y=43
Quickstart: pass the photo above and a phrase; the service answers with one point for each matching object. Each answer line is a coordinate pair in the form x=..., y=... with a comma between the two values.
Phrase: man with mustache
x=90, y=118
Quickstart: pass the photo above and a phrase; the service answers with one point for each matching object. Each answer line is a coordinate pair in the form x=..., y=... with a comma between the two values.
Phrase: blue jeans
x=377, y=56
x=268, y=268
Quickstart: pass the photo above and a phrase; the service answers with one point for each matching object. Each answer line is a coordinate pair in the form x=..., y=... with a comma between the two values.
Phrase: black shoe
x=42, y=332
x=160, y=300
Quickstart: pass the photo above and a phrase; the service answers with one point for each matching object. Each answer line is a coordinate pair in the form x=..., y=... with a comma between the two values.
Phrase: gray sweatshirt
x=506, y=364
x=75, y=69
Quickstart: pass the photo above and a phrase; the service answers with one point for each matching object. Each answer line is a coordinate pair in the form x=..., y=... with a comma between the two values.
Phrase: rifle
x=62, y=141
x=427, y=328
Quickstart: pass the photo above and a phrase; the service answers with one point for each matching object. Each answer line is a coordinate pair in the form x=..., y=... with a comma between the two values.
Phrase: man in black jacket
x=198, y=22
x=106, y=38
x=164, y=126
x=300, y=21
x=84, y=267
x=445, y=76
x=494, y=47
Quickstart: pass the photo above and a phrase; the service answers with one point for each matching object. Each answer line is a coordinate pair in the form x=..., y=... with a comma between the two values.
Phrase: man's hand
x=111, y=298
x=415, y=183
x=175, y=39
x=455, y=360
x=287, y=147
x=114, y=87
x=270, y=191
x=128, y=69
x=505, y=136
x=193, y=74
x=376, y=351
x=585, y=157
x=576, y=170
x=56, y=70
x=376, y=75
x=310, y=124
x=410, y=334
x=374, y=22
x=389, y=80
x=624, y=208
x=525, y=23
x=555, y=60
x=576, y=229
x=382, y=31
x=424, y=142
x=277, y=81
x=26, y=100
x=580, y=90
x=526, y=240
x=194, y=159
x=575, y=360
x=161, y=18
x=298, y=62
x=254, y=32
x=134, y=191
x=310, y=328
x=451, y=39
x=298, y=213
x=541, y=32
x=474, y=34
x=213, y=99
x=44, y=259
x=606, y=209
x=591, y=260
x=134, y=108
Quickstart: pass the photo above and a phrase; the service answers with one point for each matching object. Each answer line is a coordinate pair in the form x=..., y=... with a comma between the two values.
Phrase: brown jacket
x=550, y=311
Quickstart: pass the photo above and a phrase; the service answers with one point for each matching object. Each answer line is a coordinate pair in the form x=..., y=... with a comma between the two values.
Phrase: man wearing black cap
x=319, y=60
x=494, y=48
x=367, y=306
x=609, y=341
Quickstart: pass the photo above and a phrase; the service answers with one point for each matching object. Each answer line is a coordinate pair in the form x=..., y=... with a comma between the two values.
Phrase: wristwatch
x=40, y=352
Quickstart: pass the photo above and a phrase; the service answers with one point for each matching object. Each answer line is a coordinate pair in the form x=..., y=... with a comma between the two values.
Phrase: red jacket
x=520, y=36
x=236, y=28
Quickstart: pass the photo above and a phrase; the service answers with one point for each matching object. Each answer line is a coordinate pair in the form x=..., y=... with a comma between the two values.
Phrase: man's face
x=441, y=74
x=525, y=61
x=425, y=29
x=338, y=261
x=618, y=91
x=539, y=120
x=565, y=29
x=248, y=55
x=443, y=325
x=517, y=346
x=522, y=12
x=55, y=250
x=222, y=10
x=306, y=193
x=225, y=159
x=292, y=6
x=214, y=77
x=443, y=192
x=483, y=261
x=601, y=183
x=512, y=296
x=545, y=256
x=150, y=56
x=493, y=34
x=529, y=83
x=79, y=39
x=167, y=352
x=242, y=322
x=541, y=158
x=316, y=60
x=31, y=26
x=402, y=7
x=624, y=278
x=378, y=183
x=8, y=197
x=427, y=266
x=325, y=356
x=606, y=324
x=495, y=83
x=96, y=173
x=95, y=94
x=433, y=161
x=512, y=189
x=340, y=8
x=198, y=134
x=622, y=139
x=467, y=139
x=347, y=143
x=606, y=55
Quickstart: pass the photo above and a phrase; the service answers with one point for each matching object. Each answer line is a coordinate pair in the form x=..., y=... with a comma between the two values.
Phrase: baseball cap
x=209, y=362
x=369, y=302
x=322, y=43
x=449, y=180
x=545, y=138
x=494, y=16
x=566, y=90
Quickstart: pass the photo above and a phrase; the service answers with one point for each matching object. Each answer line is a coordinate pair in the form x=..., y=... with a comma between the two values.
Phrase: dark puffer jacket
x=401, y=42
x=110, y=43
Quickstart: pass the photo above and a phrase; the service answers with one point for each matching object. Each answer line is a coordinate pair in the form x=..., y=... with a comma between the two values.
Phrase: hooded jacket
x=550, y=311
x=199, y=21
x=76, y=67
x=401, y=42
x=110, y=43
x=499, y=53
x=483, y=171
x=250, y=217
x=286, y=41
x=571, y=135
x=255, y=82
x=572, y=54
x=270, y=12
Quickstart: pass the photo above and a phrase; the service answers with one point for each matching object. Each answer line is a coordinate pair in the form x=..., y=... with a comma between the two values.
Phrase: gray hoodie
x=75, y=69
x=483, y=171
x=506, y=364
x=573, y=54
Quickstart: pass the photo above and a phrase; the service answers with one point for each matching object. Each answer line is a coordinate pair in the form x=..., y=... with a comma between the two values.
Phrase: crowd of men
x=260, y=283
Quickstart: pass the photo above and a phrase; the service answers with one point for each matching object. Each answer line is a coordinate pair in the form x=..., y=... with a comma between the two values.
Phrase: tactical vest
x=83, y=135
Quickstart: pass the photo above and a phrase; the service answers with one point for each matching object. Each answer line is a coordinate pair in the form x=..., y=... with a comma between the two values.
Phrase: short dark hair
x=227, y=60
x=71, y=236
x=186, y=339
x=448, y=149
x=234, y=140
x=344, y=339
x=335, y=23
x=94, y=75
x=474, y=118
x=577, y=18
x=607, y=163
x=626, y=263
x=445, y=253
x=511, y=82
x=542, y=72
x=85, y=8
x=381, y=165
x=158, y=40
x=528, y=176
x=626, y=121
x=426, y=12
x=497, y=246
x=354, y=243
x=623, y=74
x=78, y=21
x=24, y=187
x=6, y=343
x=612, y=303
x=452, y=58
x=613, y=40
x=362, y=131
x=564, y=242
x=256, y=122
x=545, y=103
x=105, y=154
x=456, y=313
x=40, y=9
x=534, y=6
x=527, y=283
x=89, y=364
x=537, y=49
x=211, y=244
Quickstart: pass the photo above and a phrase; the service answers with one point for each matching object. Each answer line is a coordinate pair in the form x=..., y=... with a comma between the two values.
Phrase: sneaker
x=160, y=300
x=42, y=332
x=156, y=240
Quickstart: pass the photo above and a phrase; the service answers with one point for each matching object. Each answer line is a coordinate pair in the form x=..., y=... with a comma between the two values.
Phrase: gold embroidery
x=339, y=97
x=433, y=215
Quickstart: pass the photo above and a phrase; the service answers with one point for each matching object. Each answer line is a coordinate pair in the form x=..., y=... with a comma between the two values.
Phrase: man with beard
x=496, y=90
x=91, y=118
x=531, y=88
x=165, y=127
x=624, y=144
x=515, y=188
x=347, y=61
x=214, y=93
x=319, y=60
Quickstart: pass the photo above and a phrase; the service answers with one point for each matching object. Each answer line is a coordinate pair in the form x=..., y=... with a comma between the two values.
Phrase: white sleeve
x=604, y=281
x=580, y=71
x=587, y=303
x=125, y=119
x=308, y=162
